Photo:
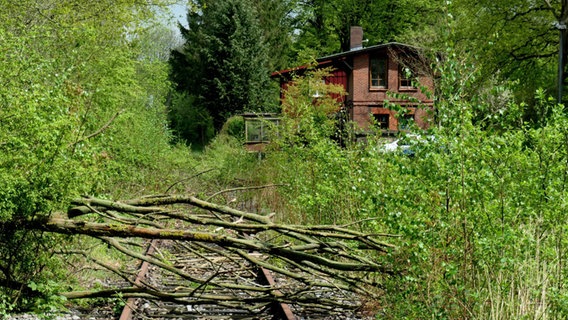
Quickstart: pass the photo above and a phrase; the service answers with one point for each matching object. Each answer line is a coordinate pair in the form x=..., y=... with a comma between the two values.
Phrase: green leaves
x=67, y=71
x=324, y=26
x=480, y=209
x=224, y=61
x=512, y=40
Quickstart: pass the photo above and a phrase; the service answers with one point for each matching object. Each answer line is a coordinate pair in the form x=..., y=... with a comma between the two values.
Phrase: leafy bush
x=235, y=127
x=190, y=121
x=479, y=210
x=76, y=111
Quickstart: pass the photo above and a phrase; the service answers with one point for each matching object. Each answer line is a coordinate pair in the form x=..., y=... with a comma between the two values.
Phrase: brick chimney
x=356, y=38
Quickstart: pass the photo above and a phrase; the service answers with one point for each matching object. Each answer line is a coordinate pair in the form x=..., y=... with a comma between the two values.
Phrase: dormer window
x=378, y=72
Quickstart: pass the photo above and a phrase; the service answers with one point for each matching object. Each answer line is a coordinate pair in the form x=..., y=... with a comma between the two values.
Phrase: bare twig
x=189, y=178
x=99, y=131
x=243, y=189
x=222, y=247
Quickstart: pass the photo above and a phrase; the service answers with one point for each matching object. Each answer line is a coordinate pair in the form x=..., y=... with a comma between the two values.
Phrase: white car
x=405, y=144
x=395, y=145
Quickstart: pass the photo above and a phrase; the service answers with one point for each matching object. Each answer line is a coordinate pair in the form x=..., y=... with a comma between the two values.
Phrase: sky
x=179, y=14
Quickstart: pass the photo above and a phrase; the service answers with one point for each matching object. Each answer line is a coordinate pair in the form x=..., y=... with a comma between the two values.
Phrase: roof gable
x=333, y=58
x=368, y=49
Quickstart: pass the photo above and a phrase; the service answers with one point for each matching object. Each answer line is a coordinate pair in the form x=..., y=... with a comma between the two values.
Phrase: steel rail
x=280, y=311
x=130, y=305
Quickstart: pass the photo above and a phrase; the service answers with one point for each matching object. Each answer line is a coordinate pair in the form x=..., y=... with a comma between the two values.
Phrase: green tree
x=325, y=25
x=189, y=121
x=514, y=40
x=156, y=42
x=277, y=24
x=224, y=61
x=78, y=106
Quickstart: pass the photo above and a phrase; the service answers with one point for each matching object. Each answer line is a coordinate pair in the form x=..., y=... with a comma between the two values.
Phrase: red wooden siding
x=338, y=77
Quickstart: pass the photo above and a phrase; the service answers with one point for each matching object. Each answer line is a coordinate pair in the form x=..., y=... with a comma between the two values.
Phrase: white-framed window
x=405, y=77
x=378, y=72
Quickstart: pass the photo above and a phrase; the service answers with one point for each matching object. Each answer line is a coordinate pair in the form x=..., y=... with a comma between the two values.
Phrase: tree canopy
x=74, y=102
x=224, y=61
x=516, y=41
x=324, y=26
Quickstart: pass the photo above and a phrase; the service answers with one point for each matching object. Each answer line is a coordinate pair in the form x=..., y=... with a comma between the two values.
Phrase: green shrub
x=190, y=122
x=235, y=127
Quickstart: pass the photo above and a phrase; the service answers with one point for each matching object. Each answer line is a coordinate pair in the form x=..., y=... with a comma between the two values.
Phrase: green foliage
x=472, y=207
x=309, y=107
x=189, y=121
x=50, y=302
x=34, y=157
x=512, y=40
x=277, y=25
x=227, y=162
x=325, y=25
x=235, y=127
x=307, y=158
x=79, y=106
x=224, y=60
x=479, y=207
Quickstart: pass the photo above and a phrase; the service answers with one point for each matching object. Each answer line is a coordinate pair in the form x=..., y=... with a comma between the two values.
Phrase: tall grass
x=510, y=294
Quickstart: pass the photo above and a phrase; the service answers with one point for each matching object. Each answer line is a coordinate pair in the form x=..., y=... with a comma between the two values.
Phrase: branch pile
x=208, y=254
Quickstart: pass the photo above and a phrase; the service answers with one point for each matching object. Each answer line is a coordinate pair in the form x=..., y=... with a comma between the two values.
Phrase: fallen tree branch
x=263, y=223
x=222, y=246
x=66, y=226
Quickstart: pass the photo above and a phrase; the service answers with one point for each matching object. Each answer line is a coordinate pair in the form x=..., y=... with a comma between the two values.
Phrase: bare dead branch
x=210, y=253
x=243, y=189
x=99, y=131
x=186, y=179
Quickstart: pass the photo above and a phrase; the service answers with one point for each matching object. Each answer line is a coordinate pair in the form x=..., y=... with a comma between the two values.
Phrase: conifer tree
x=224, y=60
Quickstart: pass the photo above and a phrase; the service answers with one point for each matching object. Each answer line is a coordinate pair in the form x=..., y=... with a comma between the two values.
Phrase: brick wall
x=368, y=100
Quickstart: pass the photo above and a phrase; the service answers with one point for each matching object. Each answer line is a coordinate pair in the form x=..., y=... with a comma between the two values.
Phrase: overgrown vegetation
x=479, y=207
x=81, y=112
x=221, y=70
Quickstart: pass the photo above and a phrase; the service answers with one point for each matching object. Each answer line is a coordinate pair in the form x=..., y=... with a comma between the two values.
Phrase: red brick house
x=375, y=76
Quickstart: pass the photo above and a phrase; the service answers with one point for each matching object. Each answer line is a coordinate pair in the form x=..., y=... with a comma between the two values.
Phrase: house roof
x=338, y=56
x=303, y=67
x=367, y=49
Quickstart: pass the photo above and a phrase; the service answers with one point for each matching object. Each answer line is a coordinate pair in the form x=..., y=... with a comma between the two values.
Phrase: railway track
x=226, y=298
x=217, y=262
